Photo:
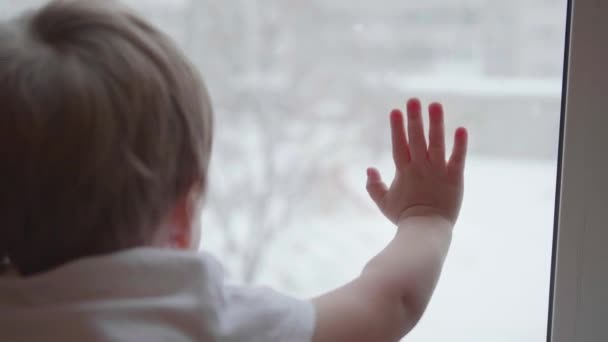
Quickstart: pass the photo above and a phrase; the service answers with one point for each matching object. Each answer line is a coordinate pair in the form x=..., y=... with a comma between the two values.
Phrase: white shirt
x=147, y=295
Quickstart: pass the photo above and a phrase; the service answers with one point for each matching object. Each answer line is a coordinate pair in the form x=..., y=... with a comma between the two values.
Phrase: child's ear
x=179, y=227
x=182, y=220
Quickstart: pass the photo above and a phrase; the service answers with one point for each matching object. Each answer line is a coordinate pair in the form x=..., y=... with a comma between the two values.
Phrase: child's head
x=105, y=135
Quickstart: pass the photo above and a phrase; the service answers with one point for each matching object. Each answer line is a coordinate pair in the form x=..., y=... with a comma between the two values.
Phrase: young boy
x=105, y=140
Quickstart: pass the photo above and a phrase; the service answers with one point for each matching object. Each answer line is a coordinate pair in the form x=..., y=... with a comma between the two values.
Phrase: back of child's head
x=104, y=125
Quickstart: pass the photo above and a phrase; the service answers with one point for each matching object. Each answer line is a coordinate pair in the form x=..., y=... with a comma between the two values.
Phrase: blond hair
x=104, y=125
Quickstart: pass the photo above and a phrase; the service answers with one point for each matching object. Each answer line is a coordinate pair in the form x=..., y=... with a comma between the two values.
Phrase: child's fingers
x=415, y=131
x=436, y=135
x=401, y=154
x=459, y=153
x=375, y=187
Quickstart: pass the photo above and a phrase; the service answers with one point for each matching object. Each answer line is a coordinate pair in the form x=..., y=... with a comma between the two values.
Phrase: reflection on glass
x=302, y=92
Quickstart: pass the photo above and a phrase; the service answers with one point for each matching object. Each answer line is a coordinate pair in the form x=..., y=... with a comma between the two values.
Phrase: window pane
x=302, y=92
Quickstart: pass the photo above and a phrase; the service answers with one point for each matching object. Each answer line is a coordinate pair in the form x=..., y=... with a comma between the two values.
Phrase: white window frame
x=579, y=295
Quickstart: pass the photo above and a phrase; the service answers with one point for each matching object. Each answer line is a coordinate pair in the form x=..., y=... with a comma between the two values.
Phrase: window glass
x=302, y=92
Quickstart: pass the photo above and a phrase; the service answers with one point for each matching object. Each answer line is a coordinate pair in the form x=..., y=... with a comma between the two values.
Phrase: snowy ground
x=496, y=281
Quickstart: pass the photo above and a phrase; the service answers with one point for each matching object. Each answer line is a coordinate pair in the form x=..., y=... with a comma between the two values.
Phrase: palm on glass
x=424, y=183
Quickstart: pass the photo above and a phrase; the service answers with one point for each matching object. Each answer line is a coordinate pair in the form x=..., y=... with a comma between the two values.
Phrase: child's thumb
x=375, y=187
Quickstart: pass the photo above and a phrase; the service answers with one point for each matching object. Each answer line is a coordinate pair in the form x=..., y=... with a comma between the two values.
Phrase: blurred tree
x=273, y=147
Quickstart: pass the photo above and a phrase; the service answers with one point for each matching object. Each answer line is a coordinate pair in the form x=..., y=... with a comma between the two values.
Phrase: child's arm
x=386, y=301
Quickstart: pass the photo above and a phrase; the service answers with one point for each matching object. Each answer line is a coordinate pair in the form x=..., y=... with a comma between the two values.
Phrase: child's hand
x=390, y=296
x=424, y=184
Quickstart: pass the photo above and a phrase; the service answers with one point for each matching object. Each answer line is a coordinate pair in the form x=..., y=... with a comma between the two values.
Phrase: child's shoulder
x=147, y=283
x=251, y=313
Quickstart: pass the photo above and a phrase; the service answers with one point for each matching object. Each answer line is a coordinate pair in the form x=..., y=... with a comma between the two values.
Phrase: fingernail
x=435, y=106
x=395, y=113
x=413, y=104
x=461, y=133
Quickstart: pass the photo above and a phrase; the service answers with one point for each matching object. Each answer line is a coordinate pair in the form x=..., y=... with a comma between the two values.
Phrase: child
x=105, y=140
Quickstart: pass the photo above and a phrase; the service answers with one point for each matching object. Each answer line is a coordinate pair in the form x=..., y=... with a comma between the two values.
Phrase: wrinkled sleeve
x=260, y=314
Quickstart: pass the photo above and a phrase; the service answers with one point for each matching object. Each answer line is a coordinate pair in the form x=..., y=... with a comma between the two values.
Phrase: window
x=581, y=276
x=310, y=87
x=302, y=92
